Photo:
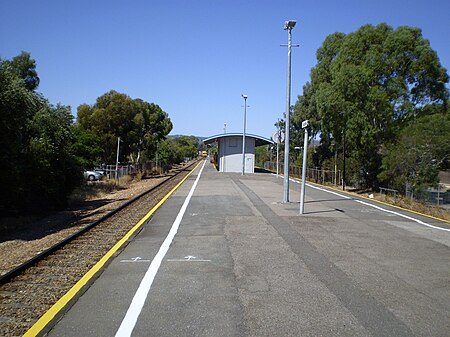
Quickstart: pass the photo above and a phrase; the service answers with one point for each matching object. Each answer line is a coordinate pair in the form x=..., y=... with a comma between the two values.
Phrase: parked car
x=103, y=172
x=92, y=175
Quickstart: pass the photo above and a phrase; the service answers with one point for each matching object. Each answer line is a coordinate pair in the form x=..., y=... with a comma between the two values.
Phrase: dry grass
x=415, y=206
x=400, y=201
x=98, y=189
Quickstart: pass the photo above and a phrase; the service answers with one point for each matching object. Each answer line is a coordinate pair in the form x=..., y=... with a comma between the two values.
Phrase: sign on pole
x=278, y=137
x=305, y=154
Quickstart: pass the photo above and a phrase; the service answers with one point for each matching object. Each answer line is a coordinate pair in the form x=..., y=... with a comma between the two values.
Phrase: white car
x=92, y=175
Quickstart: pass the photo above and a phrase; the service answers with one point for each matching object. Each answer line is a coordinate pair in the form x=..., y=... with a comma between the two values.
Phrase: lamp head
x=289, y=24
x=244, y=96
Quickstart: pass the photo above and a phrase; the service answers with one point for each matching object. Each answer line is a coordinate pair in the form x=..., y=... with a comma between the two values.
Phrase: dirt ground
x=22, y=239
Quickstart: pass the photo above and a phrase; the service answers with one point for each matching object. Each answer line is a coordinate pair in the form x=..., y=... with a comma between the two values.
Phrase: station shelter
x=229, y=157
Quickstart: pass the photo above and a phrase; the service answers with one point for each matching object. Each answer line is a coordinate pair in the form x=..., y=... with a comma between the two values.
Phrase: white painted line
x=332, y=192
x=378, y=207
x=133, y=312
x=403, y=216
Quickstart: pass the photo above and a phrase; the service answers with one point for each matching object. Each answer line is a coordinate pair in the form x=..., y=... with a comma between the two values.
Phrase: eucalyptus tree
x=423, y=148
x=175, y=150
x=109, y=118
x=17, y=107
x=367, y=85
x=152, y=125
x=38, y=167
x=51, y=166
x=25, y=67
x=139, y=124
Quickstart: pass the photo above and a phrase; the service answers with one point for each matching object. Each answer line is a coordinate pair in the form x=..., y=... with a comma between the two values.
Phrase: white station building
x=230, y=150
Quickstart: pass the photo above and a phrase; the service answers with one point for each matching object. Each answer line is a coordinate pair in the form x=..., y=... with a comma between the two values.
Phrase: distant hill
x=177, y=136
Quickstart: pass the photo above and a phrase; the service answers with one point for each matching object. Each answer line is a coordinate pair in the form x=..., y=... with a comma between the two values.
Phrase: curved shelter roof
x=259, y=140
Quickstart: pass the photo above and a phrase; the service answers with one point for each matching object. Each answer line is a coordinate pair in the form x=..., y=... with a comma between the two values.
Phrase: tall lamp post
x=288, y=25
x=243, y=135
x=224, y=151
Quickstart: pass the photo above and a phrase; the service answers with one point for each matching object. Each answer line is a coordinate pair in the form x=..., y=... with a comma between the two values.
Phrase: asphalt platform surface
x=243, y=263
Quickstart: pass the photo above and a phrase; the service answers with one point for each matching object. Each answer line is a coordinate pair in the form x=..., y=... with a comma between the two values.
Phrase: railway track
x=29, y=290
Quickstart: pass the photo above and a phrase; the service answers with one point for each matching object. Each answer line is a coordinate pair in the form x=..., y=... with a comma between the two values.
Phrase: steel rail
x=5, y=278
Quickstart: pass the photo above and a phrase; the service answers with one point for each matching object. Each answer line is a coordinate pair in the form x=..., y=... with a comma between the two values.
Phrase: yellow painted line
x=64, y=300
x=374, y=200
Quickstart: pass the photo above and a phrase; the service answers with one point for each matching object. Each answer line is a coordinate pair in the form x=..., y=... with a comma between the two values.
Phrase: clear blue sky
x=195, y=57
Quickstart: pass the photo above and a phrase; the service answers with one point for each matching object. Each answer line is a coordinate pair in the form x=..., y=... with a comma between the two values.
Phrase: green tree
x=17, y=107
x=25, y=67
x=39, y=170
x=264, y=154
x=139, y=124
x=422, y=150
x=167, y=153
x=110, y=117
x=152, y=125
x=188, y=146
x=175, y=150
x=86, y=147
x=52, y=172
x=365, y=87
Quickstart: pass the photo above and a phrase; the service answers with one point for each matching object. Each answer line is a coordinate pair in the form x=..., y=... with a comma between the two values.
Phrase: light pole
x=224, y=154
x=243, y=135
x=288, y=25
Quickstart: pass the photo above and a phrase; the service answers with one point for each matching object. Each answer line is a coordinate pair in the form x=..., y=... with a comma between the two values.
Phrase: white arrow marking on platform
x=189, y=258
x=135, y=259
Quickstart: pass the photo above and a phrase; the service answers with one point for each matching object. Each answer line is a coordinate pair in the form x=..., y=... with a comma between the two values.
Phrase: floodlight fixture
x=289, y=24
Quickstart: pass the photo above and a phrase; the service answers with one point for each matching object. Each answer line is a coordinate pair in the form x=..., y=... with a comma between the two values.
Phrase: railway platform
x=223, y=256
